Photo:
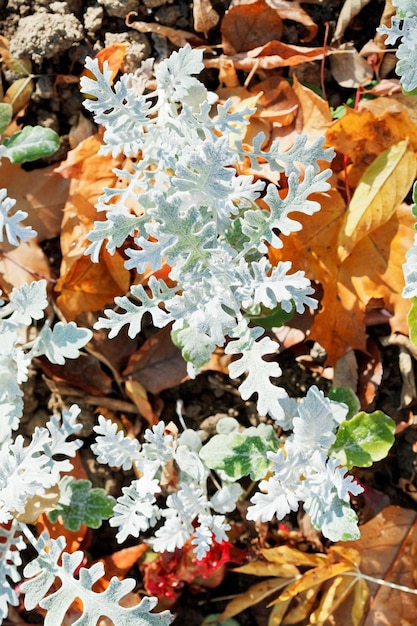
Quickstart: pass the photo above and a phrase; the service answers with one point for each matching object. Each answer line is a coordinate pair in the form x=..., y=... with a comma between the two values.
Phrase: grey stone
x=45, y=35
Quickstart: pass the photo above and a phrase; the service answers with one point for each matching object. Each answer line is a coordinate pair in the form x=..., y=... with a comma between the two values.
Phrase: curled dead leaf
x=249, y=26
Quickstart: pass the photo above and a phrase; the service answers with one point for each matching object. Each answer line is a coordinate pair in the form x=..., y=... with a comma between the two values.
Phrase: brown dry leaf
x=339, y=589
x=84, y=372
x=38, y=504
x=176, y=36
x=306, y=601
x=113, y=353
x=374, y=270
x=269, y=568
x=269, y=56
x=381, y=189
x=21, y=67
x=288, y=11
x=119, y=564
x=41, y=193
x=286, y=554
x=22, y=265
x=137, y=393
x=314, y=577
x=88, y=170
x=387, y=547
x=205, y=16
x=82, y=129
x=346, y=371
x=114, y=55
x=84, y=285
x=249, y=26
x=277, y=102
x=348, y=68
x=350, y=9
x=335, y=580
x=315, y=113
x=293, y=11
x=158, y=364
x=89, y=286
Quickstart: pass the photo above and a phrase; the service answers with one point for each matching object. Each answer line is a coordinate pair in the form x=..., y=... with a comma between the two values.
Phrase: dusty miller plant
x=187, y=204
x=30, y=475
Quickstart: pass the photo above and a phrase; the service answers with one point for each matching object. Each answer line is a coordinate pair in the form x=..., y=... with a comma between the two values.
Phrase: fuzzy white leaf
x=136, y=510
x=64, y=341
x=78, y=584
x=276, y=500
x=122, y=112
x=175, y=74
x=135, y=312
x=11, y=544
x=28, y=302
x=224, y=500
x=113, y=447
x=10, y=224
x=259, y=372
x=315, y=426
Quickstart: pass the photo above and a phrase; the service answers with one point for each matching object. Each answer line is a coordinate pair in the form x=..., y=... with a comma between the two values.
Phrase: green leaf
x=272, y=318
x=31, y=143
x=364, y=439
x=412, y=320
x=196, y=347
x=348, y=397
x=80, y=504
x=241, y=454
x=6, y=114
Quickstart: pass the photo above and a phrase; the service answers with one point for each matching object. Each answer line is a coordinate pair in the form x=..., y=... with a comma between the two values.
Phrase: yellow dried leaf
x=302, y=609
x=361, y=596
x=379, y=193
x=314, y=577
x=19, y=93
x=285, y=554
x=331, y=598
x=278, y=612
x=256, y=593
x=346, y=554
x=260, y=568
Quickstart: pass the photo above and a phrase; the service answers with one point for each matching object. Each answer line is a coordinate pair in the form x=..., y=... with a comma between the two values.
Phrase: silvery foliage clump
x=185, y=203
x=301, y=468
x=199, y=215
x=26, y=306
x=30, y=474
x=404, y=27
